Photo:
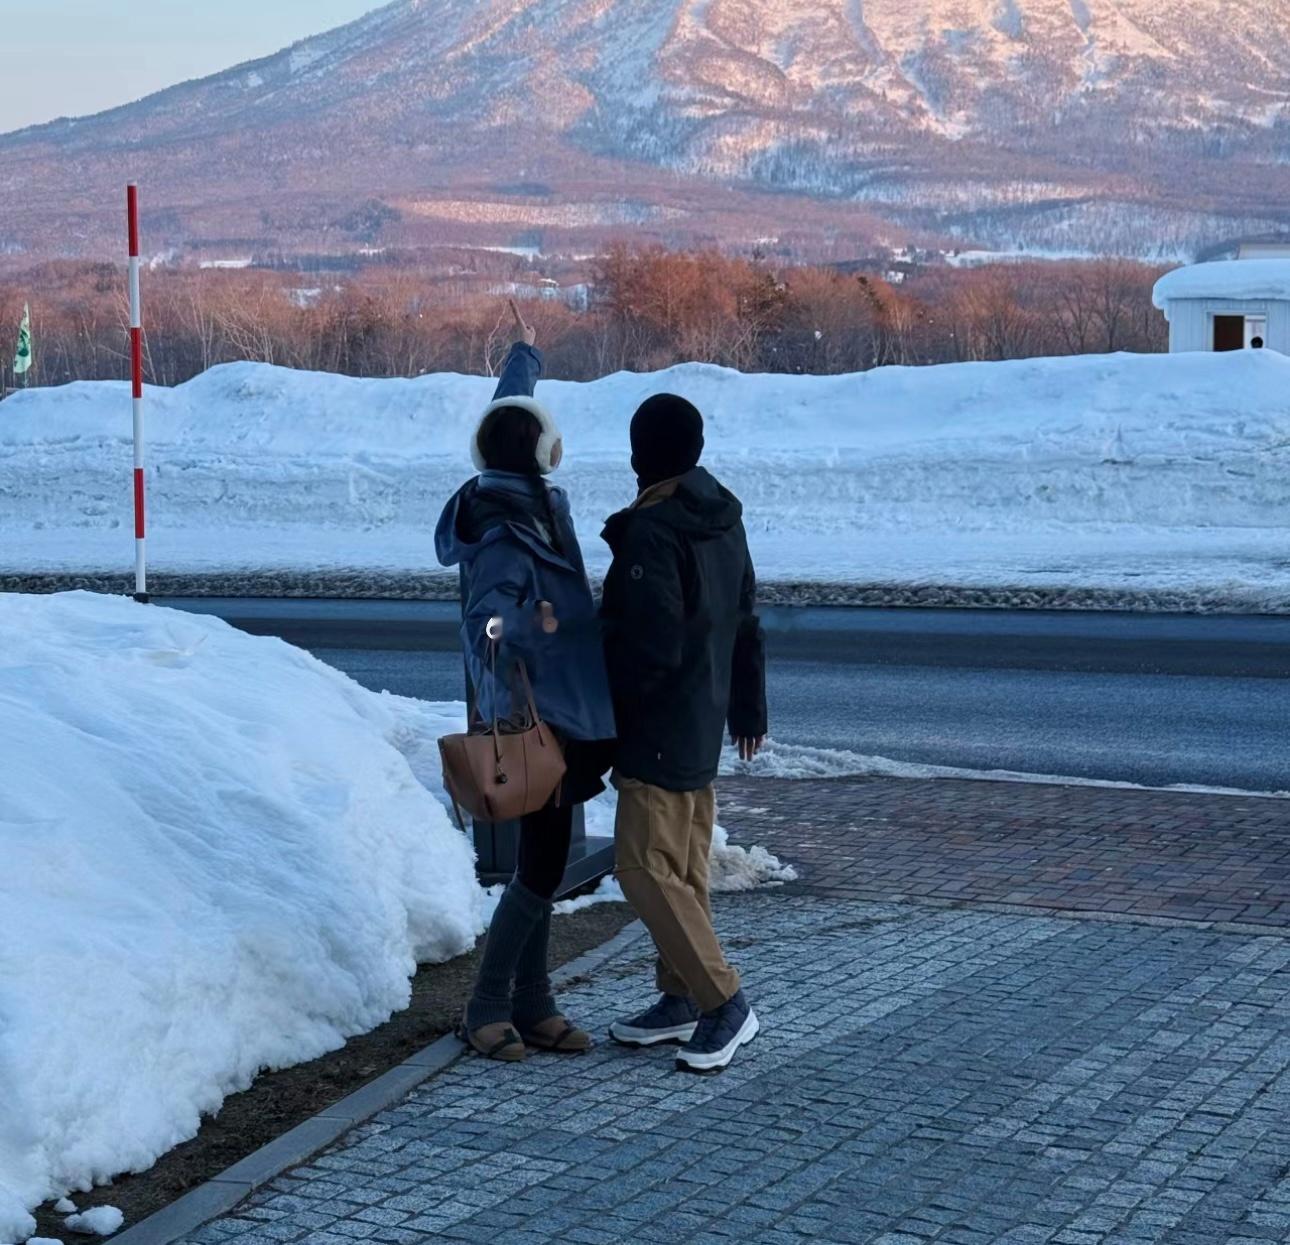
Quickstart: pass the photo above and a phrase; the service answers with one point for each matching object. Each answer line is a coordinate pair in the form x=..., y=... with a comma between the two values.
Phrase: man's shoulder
x=637, y=533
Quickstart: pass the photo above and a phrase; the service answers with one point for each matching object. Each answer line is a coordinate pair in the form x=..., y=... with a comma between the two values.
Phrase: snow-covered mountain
x=1066, y=124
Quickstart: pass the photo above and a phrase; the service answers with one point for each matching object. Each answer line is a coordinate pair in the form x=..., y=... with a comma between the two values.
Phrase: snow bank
x=1229, y=278
x=216, y=859
x=1117, y=471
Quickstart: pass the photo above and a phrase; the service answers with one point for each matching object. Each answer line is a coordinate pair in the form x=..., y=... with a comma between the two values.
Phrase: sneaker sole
x=625, y=1035
x=719, y=1061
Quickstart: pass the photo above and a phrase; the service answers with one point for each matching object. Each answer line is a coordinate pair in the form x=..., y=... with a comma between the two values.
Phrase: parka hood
x=493, y=506
x=698, y=505
x=454, y=540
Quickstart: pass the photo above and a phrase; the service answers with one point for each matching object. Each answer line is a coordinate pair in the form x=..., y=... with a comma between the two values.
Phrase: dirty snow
x=1123, y=472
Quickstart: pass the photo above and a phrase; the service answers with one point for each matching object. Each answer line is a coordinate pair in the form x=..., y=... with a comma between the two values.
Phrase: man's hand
x=748, y=748
x=524, y=332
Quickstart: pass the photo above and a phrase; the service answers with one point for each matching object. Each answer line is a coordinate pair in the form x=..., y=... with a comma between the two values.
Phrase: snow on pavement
x=216, y=861
x=799, y=762
x=1144, y=473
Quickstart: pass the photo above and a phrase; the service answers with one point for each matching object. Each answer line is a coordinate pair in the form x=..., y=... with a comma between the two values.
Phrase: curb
x=365, y=584
x=224, y=1192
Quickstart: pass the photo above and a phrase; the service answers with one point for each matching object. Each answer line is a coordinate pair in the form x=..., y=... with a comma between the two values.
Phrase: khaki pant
x=663, y=839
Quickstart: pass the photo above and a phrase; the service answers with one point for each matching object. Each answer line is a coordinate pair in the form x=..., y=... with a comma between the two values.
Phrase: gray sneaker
x=672, y=1019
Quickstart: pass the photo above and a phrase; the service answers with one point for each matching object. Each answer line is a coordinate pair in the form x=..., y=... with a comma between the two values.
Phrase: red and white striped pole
x=136, y=376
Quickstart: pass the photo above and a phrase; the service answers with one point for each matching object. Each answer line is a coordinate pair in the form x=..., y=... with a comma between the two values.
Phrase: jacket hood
x=476, y=515
x=451, y=544
x=698, y=505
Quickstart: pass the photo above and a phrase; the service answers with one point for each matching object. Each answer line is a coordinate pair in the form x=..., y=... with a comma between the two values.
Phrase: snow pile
x=1241, y=279
x=215, y=860
x=1106, y=471
x=101, y=1221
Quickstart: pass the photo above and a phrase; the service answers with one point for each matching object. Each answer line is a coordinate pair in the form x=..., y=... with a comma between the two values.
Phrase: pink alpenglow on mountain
x=1146, y=127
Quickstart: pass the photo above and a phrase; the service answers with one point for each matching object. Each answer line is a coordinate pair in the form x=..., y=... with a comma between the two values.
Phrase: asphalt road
x=1154, y=699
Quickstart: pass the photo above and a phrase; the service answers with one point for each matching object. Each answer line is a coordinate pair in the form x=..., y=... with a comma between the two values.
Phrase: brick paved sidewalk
x=1147, y=853
x=928, y=1072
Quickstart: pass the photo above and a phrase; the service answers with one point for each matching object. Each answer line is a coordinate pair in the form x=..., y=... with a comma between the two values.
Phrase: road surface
x=1153, y=699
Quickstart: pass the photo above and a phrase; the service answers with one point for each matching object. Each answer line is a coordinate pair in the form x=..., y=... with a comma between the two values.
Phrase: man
x=686, y=658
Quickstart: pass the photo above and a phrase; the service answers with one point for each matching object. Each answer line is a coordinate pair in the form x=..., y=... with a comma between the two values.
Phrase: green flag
x=23, y=360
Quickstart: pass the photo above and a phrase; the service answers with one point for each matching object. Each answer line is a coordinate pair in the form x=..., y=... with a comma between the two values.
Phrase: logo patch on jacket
x=638, y=572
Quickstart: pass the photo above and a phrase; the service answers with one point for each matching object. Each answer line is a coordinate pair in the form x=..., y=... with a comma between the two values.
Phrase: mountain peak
x=1039, y=123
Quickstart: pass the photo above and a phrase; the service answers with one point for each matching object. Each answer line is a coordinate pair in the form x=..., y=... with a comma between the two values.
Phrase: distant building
x=1232, y=304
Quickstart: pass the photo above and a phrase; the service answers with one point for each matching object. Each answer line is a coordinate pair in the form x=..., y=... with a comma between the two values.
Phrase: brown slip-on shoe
x=559, y=1036
x=499, y=1041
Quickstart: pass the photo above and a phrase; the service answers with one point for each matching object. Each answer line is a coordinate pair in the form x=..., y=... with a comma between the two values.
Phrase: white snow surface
x=796, y=761
x=1241, y=279
x=216, y=860
x=1124, y=472
x=101, y=1221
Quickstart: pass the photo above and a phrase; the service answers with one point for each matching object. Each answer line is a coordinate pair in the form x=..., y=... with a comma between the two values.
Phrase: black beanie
x=667, y=439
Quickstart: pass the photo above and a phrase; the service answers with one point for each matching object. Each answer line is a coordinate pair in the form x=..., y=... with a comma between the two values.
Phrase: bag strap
x=522, y=673
x=497, y=730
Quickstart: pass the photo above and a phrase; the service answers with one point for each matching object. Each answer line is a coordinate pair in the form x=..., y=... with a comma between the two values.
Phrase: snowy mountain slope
x=997, y=119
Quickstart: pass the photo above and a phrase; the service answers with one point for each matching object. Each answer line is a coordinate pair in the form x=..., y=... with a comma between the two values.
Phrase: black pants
x=544, y=849
x=545, y=836
x=514, y=983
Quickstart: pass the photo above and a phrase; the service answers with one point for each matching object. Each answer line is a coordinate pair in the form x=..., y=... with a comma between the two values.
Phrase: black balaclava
x=667, y=439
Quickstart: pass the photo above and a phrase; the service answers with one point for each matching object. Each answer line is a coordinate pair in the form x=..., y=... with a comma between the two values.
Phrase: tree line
x=637, y=309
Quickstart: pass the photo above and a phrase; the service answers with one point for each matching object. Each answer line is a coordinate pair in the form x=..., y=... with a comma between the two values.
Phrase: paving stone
x=926, y=1074
x=1095, y=850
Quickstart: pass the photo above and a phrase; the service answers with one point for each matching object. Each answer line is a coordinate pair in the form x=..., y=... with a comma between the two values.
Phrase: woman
x=523, y=578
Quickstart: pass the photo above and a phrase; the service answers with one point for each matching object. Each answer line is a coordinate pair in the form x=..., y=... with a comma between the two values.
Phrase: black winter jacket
x=685, y=649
